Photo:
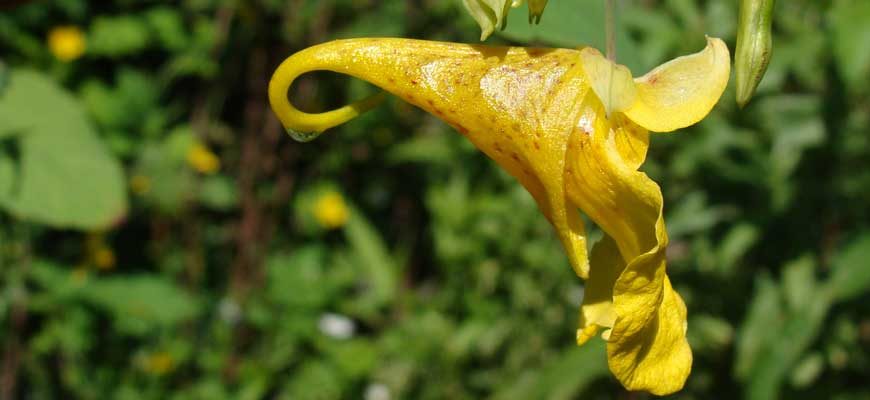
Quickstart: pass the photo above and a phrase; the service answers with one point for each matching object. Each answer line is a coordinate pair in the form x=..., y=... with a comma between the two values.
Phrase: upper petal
x=682, y=91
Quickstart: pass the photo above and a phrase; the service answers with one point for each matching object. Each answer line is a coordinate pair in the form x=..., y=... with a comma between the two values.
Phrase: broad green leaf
x=168, y=27
x=387, y=21
x=851, y=39
x=140, y=303
x=299, y=279
x=564, y=377
x=218, y=192
x=799, y=283
x=118, y=36
x=795, y=126
x=739, y=239
x=4, y=76
x=808, y=370
x=370, y=253
x=355, y=358
x=315, y=380
x=709, y=333
x=430, y=149
x=851, y=276
x=66, y=176
x=572, y=24
x=782, y=353
x=7, y=178
x=759, y=328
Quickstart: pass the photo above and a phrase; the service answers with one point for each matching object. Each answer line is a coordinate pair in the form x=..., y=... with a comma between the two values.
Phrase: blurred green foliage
x=134, y=267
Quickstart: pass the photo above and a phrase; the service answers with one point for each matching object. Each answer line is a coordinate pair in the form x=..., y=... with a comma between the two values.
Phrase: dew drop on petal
x=302, y=136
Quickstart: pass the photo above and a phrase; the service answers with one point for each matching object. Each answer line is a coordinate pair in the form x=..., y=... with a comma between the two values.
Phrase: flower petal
x=648, y=350
x=647, y=347
x=610, y=81
x=597, y=309
x=682, y=91
x=517, y=105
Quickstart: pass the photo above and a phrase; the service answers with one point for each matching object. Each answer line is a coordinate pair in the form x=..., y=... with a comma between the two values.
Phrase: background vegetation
x=162, y=238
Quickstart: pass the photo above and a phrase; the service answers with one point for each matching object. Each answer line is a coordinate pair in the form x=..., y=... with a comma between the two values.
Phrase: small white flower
x=574, y=295
x=229, y=311
x=377, y=391
x=336, y=326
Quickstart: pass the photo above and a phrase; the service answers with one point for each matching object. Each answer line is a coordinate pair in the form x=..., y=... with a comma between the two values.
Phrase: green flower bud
x=489, y=14
x=754, y=46
x=492, y=14
x=536, y=9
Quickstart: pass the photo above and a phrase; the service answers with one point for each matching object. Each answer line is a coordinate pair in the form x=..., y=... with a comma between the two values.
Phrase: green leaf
x=783, y=352
x=564, y=377
x=118, y=36
x=370, y=254
x=4, y=76
x=709, y=333
x=141, y=303
x=571, y=24
x=298, y=280
x=168, y=27
x=734, y=246
x=799, y=283
x=431, y=149
x=808, y=370
x=218, y=193
x=67, y=178
x=851, y=277
x=316, y=380
x=851, y=38
x=7, y=178
x=355, y=358
x=388, y=20
x=759, y=328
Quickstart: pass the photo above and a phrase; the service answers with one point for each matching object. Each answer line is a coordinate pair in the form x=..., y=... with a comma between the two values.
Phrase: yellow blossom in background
x=99, y=254
x=330, y=210
x=140, y=184
x=202, y=159
x=103, y=258
x=66, y=43
x=158, y=363
x=573, y=128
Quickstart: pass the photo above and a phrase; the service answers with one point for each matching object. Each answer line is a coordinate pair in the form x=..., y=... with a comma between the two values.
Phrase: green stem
x=610, y=29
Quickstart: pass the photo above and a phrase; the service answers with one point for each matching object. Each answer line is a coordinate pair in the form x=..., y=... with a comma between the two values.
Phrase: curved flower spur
x=572, y=127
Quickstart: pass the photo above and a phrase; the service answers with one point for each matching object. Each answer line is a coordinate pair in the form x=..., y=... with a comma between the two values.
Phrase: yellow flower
x=99, y=253
x=158, y=363
x=573, y=128
x=140, y=184
x=104, y=258
x=66, y=43
x=330, y=210
x=202, y=159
